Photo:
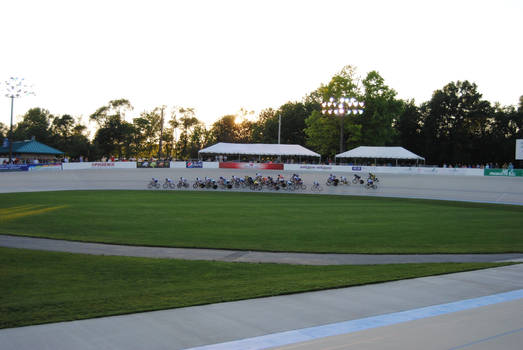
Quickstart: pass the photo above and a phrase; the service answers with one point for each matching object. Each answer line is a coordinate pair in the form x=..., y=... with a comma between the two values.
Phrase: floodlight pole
x=10, y=138
x=342, y=107
x=15, y=88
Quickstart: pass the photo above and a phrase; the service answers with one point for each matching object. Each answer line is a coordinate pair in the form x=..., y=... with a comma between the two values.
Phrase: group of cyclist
x=371, y=181
x=259, y=182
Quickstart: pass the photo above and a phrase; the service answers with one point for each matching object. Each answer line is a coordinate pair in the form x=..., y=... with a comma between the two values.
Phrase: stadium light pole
x=342, y=107
x=15, y=88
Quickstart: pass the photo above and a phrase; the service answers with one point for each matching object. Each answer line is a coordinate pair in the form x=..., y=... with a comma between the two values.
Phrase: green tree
x=114, y=135
x=382, y=111
x=225, y=129
x=4, y=131
x=454, y=121
x=293, y=116
x=187, y=121
x=35, y=123
x=265, y=128
x=409, y=128
x=323, y=131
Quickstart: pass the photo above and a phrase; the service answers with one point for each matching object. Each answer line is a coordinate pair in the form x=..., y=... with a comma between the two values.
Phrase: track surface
x=505, y=190
x=496, y=326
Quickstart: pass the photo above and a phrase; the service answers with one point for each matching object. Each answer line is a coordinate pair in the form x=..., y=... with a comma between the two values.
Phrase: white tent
x=380, y=153
x=258, y=149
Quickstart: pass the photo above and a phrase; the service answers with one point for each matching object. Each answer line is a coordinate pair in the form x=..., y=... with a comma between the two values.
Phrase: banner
x=50, y=166
x=154, y=164
x=14, y=167
x=195, y=164
x=519, y=149
x=503, y=172
x=263, y=166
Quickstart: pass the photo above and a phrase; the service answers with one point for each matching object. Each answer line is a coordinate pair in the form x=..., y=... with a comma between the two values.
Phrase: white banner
x=177, y=165
x=99, y=165
x=519, y=149
x=384, y=169
x=211, y=165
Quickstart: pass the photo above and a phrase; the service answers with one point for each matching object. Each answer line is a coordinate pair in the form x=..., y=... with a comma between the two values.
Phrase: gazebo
x=375, y=153
x=29, y=150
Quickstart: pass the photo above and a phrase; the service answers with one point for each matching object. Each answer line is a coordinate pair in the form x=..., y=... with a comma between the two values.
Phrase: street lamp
x=344, y=106
x=15, y=88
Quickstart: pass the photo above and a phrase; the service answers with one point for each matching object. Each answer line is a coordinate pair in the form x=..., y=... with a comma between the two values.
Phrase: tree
x=187, y=121
x=225, y=129
x=4, y=131
x=409, y=128
x=35, y=123
x=265, y=128
x=293, y=116
x=323, y=131
x=382, y=111
x=114, y=135
x=454, y=123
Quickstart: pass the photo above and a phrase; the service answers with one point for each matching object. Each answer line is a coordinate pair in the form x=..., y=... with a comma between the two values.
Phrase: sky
x=221, y=56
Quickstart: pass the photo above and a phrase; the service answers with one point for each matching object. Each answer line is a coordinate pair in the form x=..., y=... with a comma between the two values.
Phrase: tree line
x=456, y=126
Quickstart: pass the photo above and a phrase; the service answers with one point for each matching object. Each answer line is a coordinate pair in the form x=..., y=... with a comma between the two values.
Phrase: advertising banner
x=263, y=166
x=503, y=172
x=51, y=166
x=153, y=164
x=194, y=164
x=519, y=149
x=14, y=167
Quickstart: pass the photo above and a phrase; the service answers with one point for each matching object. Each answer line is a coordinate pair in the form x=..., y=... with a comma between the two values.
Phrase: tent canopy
x=379, y=153
x=261, y=149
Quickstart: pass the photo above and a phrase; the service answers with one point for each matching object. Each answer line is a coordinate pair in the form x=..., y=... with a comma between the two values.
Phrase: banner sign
x=102, y=164
x=503, y=172
x=14, y=167
x=50, y=166
x=195, y=164
x=263, y=166
x=519, y=149
x=315, y=167
x=154, y=164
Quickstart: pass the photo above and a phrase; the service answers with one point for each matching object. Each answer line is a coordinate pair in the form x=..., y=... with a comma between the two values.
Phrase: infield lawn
x=265, y=221
x=41, y=287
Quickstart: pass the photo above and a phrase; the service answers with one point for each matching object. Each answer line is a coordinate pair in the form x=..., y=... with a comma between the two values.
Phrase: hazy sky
x=220, y=56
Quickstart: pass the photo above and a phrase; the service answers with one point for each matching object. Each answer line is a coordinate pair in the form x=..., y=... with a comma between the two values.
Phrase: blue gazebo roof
x=30, y=147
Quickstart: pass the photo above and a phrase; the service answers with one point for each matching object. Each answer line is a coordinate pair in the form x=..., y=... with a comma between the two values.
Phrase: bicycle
x=153, y=184
x=316, y=187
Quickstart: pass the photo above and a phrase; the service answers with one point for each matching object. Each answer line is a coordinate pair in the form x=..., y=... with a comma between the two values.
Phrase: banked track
x=475, y=189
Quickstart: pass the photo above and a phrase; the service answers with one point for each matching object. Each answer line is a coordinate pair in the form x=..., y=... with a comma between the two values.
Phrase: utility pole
x=161, y=134
x=279, y=127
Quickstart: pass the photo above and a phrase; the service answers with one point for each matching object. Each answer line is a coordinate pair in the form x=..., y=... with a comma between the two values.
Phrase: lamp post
x=15, y=88
x=344, y=106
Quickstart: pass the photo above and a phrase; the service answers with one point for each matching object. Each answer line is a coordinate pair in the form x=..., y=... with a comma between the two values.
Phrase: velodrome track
x=503, y=190
x=491, y=190
x=471, y=310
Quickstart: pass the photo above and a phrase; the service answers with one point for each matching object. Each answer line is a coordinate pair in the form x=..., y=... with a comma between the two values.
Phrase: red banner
x=264, y=166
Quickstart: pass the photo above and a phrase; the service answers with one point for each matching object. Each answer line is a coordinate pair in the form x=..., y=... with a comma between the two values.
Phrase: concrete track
x=505, y=190
x=264, y=322
x=245, y=256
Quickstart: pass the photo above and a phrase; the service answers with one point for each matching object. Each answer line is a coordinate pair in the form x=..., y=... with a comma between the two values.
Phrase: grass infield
x=41, y=287
x=265, y=221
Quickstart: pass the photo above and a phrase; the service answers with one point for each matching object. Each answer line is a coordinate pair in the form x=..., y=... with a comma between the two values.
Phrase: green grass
x=41, y=287
x=264, y=221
